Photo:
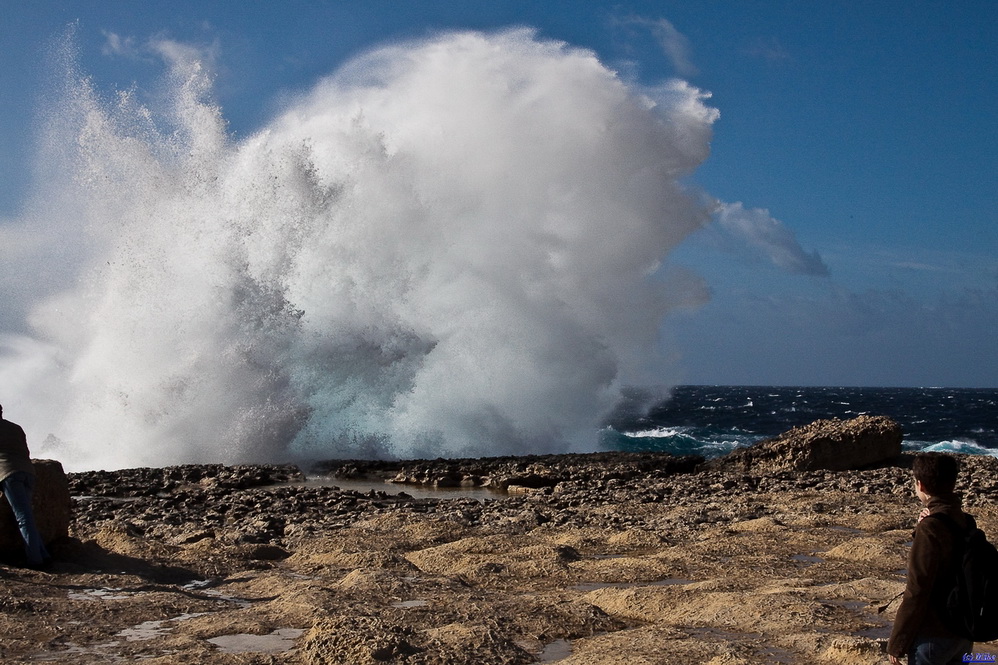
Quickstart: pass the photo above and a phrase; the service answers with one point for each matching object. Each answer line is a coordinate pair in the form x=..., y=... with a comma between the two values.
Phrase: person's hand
x=922, y=515
x=895, y=660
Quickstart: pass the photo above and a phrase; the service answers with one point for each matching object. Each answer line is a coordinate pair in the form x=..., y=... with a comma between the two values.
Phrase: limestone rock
x=51, y=503
x=372, y=640
x=357, y=640
x=834, y=444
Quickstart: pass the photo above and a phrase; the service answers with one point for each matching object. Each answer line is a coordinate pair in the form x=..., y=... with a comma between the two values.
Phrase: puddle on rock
x=555, y=651
x=279, y=641
x=149, y=630
x=99, y=594
x=74, y=650
x=411, y=603
x=203, y=586
x=807, y=559
x=595, y=586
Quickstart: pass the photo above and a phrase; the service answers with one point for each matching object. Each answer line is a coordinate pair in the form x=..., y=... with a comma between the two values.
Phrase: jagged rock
x=368, y=640
x=148, y=482
x=265, y=553
x=532, y=471
x=357, y=640
x=52, y=506
x=833, y=444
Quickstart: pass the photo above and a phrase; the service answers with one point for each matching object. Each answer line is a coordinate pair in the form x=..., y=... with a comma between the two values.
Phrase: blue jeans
x=939, y=650
x=19, y=487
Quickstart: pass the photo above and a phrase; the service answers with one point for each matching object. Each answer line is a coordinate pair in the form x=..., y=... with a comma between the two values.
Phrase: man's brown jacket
x=930, y=558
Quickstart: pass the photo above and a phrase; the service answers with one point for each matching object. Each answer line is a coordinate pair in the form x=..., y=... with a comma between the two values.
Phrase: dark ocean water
x=713, y=420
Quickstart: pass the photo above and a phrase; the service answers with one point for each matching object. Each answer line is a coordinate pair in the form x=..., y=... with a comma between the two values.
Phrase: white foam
x=447, y=247
x=962, y=446
x=658, y=433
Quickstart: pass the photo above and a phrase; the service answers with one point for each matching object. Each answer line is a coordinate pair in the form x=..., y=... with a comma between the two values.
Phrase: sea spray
x=449, y=247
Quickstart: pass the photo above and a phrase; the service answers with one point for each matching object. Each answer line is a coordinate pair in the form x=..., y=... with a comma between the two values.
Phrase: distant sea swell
x=714, y=420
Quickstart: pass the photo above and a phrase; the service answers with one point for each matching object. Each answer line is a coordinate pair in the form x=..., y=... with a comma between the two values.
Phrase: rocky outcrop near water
x=609, y=558
x=52, y=508
x=832, y=444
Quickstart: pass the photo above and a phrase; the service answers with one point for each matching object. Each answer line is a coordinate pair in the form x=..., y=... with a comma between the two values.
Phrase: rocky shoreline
x=575, y=559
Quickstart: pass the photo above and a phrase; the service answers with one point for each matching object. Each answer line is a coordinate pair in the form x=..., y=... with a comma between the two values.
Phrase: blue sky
x=867, y=129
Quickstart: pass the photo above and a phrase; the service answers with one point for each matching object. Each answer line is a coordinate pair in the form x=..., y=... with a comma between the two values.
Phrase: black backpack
x=969, y=596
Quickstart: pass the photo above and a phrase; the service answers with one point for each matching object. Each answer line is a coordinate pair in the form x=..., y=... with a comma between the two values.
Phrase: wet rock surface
x=576, y=559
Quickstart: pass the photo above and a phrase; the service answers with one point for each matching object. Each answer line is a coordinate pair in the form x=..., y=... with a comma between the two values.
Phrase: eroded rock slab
x=832, y=444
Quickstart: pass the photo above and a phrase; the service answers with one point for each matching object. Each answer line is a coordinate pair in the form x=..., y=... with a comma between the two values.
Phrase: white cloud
x=675, y=45
x=755, y=233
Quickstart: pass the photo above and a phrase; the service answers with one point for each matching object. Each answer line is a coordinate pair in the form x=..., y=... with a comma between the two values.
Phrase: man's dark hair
x=937, y=472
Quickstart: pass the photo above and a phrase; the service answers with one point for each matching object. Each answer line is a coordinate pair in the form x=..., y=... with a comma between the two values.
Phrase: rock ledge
x=833, y=445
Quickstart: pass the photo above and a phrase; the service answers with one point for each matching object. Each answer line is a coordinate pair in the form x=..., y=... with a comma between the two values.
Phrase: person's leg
x=19, y=488
x=939, y=651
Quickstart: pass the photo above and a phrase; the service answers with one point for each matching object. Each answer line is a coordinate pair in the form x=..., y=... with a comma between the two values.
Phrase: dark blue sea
x=713, y=420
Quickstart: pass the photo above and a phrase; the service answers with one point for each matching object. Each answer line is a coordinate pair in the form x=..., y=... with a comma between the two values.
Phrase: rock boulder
x=52, y=507
x=834, y=444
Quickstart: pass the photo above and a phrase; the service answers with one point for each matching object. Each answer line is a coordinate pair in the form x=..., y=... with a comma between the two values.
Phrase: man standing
x=919, y=634
x=17, y=479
